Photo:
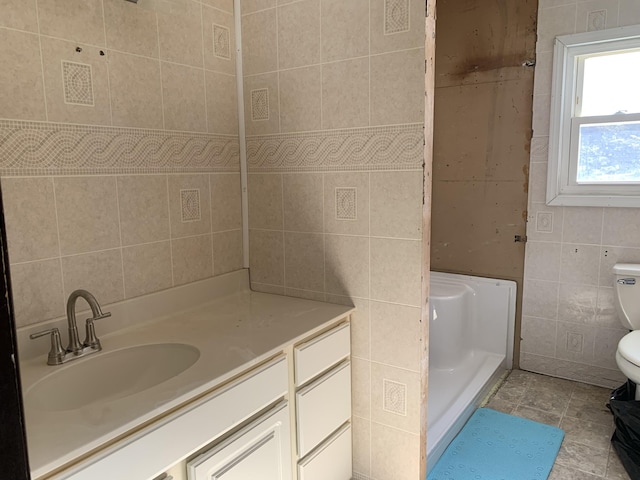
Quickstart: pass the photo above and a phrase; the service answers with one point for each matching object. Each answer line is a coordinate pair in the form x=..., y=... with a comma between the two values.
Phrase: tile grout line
x=324, y=241
x=321, y=69
x=377, y=237
x=284, y=249
x=369, y=62
x=204, y=70
x=44, y=85
x=124, y=283
x=600, y=254
x=173, y=280
x=104, y=26
x=342, y=60
x=277, y=72
x=210, y=192
x=55, y=205
x=110, y=249
x=164, y=126
x=369, y=311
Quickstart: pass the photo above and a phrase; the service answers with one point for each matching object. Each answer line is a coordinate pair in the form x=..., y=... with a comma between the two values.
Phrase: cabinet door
x=260, y=450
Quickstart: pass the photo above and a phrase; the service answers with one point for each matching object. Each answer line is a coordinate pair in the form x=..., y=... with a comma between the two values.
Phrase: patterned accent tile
x=39, y=148
x=597, y=20
x=395, y=397
x=544, y=222
x=575, y=342
x=360, y=476
x=260, y=104
x=221, y=42
x=190, y=205
x=346, y=204
x=396, y=16
x=398, y=147
x=539, y=149
x=77, y=83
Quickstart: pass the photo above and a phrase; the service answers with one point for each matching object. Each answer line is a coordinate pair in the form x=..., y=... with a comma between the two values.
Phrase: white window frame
x=562, y=187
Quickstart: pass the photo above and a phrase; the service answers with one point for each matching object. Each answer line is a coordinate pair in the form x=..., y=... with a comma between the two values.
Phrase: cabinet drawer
x=262, y=447
x=331, y=460
x=320, y=353
x=322, y=407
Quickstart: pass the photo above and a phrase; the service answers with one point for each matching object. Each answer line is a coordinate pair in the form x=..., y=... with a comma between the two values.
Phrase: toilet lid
x=629, y=347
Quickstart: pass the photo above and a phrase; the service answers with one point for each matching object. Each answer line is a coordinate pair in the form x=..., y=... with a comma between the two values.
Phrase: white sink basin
x=109, y=375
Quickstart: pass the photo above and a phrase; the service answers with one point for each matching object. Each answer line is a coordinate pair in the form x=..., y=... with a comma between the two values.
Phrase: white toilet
x=627, y=299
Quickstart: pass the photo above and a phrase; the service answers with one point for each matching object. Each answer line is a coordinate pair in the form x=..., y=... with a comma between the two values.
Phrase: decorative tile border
x=372, y=148
x=41, y=148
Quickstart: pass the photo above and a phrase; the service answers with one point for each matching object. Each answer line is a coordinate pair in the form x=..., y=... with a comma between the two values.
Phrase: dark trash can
x=626, y=438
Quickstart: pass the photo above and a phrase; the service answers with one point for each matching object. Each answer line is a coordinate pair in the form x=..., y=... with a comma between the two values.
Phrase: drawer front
x=322, y=407
x=320, y=353
x=332, y=460
x=195, y=425
x=264, y=446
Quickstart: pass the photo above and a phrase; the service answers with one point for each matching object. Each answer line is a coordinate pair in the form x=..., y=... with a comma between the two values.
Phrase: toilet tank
x=627, y=294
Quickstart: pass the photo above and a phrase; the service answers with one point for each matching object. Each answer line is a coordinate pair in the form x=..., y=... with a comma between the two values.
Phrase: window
x=594, y=140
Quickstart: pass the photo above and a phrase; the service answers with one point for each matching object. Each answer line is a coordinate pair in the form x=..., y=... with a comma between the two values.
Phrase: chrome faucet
x=91, y=340
x=75, y=349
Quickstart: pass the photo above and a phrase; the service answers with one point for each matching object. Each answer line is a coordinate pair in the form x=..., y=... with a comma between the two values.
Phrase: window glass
x=609, y=152
x=610, y=84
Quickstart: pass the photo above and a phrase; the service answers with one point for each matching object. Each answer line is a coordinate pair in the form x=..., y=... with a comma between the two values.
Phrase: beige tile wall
x=167, y=66
x=329, y=64
x=116, y=236
x=351, y=234
x=300, y=248
x=569, y=326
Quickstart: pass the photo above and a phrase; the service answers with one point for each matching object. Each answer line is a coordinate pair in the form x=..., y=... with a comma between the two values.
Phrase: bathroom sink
x=108, y=376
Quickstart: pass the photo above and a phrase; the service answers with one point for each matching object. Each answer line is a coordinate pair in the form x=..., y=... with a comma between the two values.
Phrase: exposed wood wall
x=482, y=135
x=429, y=98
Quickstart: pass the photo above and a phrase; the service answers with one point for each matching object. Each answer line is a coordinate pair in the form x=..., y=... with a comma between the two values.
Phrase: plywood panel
x=483, y=132
x=482, y=41
x=482, y=137
x=473, y=229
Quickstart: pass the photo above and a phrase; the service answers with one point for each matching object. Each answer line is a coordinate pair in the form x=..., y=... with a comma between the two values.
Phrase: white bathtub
x=471, y=329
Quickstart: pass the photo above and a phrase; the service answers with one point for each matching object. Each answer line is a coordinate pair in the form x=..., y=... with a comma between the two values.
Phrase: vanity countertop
x=233, y=332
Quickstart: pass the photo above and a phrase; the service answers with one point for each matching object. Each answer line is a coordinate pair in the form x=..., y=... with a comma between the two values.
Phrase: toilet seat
x=629, y=348
x=629, y=370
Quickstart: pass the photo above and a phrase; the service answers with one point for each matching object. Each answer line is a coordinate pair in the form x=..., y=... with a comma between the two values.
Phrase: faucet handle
x=57, y=353
x=101, y=316
x=91, y=340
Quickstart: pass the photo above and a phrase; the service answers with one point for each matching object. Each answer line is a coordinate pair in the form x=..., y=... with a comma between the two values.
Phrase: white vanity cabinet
x=323, y=406
x=286, y=416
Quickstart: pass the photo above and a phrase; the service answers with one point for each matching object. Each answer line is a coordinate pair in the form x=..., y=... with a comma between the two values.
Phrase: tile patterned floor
x=577, y=408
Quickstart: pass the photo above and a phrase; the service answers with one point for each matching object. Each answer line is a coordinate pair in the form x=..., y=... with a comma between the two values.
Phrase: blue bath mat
x=496, y=446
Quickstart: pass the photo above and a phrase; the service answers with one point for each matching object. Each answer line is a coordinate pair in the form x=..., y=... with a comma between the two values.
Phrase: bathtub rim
x=446, y=277
x=479, y=393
